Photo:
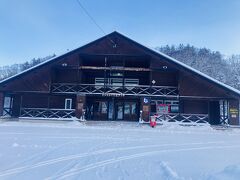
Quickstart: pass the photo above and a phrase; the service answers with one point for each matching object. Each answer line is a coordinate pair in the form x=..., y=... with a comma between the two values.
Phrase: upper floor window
x=117, y=81
x=131, y=82
x=99, y=81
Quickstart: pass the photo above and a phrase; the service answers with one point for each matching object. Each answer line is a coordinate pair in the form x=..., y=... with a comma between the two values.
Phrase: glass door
x=110, y=110
x=119, y=110
x=130, y=111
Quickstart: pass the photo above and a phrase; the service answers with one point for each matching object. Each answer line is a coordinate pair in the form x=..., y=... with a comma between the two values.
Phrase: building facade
x=116, y=78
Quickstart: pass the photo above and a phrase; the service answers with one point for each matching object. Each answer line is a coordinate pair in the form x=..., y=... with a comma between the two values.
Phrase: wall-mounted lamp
x=164, y=67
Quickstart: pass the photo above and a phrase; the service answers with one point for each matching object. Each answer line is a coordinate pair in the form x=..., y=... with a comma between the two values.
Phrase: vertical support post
x=1, y=104
x=51, y=80
x=223, y=110
x=48, y=103
x=123, y=78
x=239, y=112
x=80, y=106
x=79, y=73
x=180, y=105
x=114, y=110
x=151, y=82
x=150, y=78
x=209, y=112
x=145, y=109
x=178, y=82
x=105, y=73
x=21, y=99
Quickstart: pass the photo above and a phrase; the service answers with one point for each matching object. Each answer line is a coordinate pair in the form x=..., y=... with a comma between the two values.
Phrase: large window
x=99, y=81
x=101, y=107
x=130, y=108
x=116, y=82
x=127, y=108
x=134, y=108
x=104, y=107
x=131, y=83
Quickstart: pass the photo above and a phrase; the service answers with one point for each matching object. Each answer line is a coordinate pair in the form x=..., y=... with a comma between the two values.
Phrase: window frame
x=66, y=103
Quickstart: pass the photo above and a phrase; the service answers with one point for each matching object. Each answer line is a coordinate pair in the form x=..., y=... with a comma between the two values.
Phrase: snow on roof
x=151, y=49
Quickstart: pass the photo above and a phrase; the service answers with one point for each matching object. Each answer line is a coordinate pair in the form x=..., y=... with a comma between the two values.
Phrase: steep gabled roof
x=187, y=67
x=151, y=50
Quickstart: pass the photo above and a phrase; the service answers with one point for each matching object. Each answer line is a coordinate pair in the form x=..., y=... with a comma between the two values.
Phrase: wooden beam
x=115, y=68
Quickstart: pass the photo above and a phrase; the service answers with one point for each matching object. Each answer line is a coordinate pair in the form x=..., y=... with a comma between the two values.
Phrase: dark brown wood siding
x=38, y=79
x=165, y=78
x=190, y=85
x=46, y=101
x=66, y=76
x=195, y=107
x=34, y=101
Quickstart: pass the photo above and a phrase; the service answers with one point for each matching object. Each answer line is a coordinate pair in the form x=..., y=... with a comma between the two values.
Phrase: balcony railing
x=181, y=118
x=7, y=111
x=47, y=113
x=139, y=90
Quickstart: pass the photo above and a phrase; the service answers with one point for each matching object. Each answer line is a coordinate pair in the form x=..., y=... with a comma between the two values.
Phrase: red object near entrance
x=153, y=122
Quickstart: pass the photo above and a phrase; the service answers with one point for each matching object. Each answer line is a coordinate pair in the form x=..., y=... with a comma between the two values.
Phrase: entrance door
x=110, y=110
x=131, y=111
x=119, y=110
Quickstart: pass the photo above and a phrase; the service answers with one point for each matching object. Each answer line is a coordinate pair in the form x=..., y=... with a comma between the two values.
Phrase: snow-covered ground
x=116, y=150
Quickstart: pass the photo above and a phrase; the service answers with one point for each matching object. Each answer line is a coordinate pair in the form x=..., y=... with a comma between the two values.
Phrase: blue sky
x=37, y=28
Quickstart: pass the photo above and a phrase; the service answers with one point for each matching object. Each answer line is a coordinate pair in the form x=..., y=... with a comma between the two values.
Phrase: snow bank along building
x=116, y=78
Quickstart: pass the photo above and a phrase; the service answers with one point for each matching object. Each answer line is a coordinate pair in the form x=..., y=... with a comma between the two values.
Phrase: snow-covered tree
x=212, y=63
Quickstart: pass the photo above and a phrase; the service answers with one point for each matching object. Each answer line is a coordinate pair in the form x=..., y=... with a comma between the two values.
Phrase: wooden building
x=116, y=78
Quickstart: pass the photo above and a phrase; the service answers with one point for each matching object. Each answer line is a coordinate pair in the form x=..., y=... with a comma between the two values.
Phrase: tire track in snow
x=42, y=154
x=46, y=152
x=71, y=163
x=128, y=157
x=76, y=137
x=82, y=155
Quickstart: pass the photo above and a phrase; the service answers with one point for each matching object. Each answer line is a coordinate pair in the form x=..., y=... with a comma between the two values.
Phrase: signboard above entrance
x=113, y=94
